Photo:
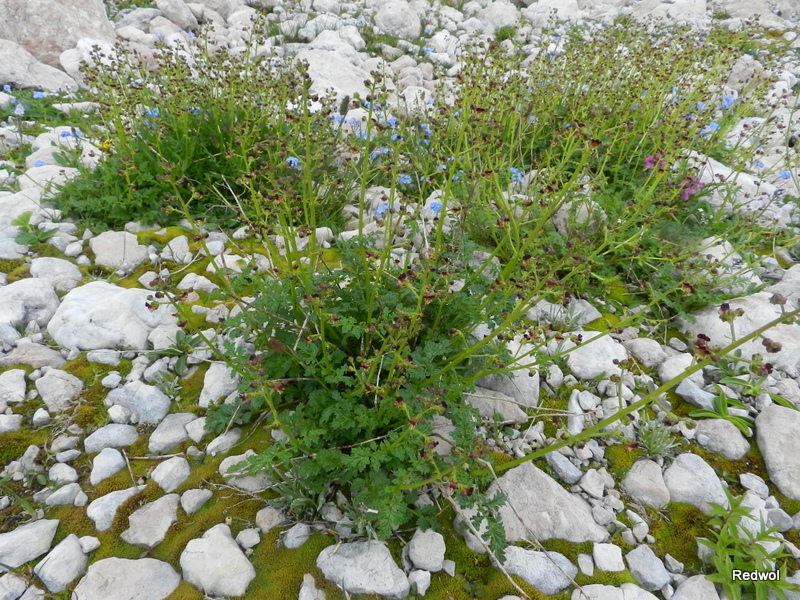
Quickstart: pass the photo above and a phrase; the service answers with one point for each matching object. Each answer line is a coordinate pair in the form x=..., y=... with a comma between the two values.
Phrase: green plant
x=195, y=133
x=448, y=223
x=169, y=383
x=655, y=438
x=506, y=32
x=184, y=346
x=739, y=550
x=720, y=410
x=749, y=375
x=31, y=234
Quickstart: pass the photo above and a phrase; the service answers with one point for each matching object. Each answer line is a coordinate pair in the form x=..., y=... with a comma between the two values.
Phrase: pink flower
x=651, y=161
x=690, y=186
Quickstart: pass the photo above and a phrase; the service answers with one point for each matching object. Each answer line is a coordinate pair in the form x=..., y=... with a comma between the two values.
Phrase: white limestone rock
x=177, y=12
x=426, y=550
x=691, y=480
x=540, y=505
x=219, y=382
x=722, y=436
x=776, y=435
x=608, y=557
x=216, y=564
x=296, y=535
x=595, y=357
x=647, y=568
x=103, y=315
x=20, y=68
x=126, y=579
x=118, y=250
x=550, y=572
x=149, y=525
x=249, y=483
x=58, y=389
x=645, y=483
x=147, y=401
x=12, y=386
x=103, y=510
x=171, y=473
x=62, y=274
x=107, y=463
x=62, y=565
x=268, y=518
x=170, y=432
x=223, y=442
x=26, y=542
x=193, y=500
x=27, y=300
x=491, y=403
x=363, y=568
x=110, y=436
x=758, y=311
x=398, y=19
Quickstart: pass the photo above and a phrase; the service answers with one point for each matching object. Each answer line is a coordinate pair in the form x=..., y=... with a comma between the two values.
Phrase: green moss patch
x=621, y=458
x=676, y=531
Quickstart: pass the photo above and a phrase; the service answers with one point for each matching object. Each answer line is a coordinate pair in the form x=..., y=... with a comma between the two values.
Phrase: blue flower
x=675, y=90
x=441, y=168
x=701, y=106
x=635, y=106
x=338, y=118
x=382, y=209
x=436, y=207
x=195, y=110
x=376, y=153
x=66, y=134
x=19, y=110
x=152, y=112
x=404, y=179
x=294, y=162
x=727, y=101
x=712, y=127
x=426, y=128
x=760, y=164
x=360, y=21
x=191, y=34
x=37, y=95
x=392, y=121
x=784, y=174
x=427, y=50
x=644, y=93
x=7, y=88
x=39, y=163
x=516, y=175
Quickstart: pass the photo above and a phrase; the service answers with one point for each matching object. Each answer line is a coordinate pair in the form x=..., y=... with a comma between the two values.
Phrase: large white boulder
x=216, y=564
x=103, y=315
x=27, y=300
x=48, y=27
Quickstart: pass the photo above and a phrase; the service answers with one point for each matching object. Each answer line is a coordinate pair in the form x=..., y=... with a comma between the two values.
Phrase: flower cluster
x=690, y=186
